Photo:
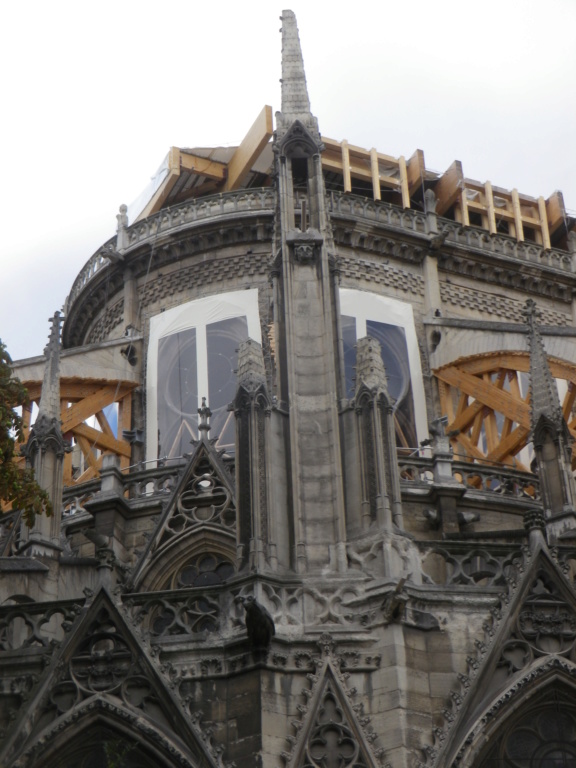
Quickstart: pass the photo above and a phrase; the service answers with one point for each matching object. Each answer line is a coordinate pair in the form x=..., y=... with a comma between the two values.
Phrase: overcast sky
x=94, y=95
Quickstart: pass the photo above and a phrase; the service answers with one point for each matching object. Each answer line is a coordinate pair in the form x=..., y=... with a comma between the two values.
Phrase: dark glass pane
x=223, y=339
x=392, y=341
x=177, y=393
x=349, y=343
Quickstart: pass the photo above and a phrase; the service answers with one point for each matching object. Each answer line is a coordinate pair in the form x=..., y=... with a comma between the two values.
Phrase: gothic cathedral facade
x=307, y=422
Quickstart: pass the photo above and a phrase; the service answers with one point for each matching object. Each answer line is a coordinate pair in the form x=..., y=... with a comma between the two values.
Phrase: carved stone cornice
x=105, y=289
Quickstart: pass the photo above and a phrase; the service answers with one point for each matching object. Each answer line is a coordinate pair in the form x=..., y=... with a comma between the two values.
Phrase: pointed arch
x=102, y=679
x=99, y=729
x=171, y=567
x=530, y=725
x=532, y=640
x=201, y=516
x=331, y=733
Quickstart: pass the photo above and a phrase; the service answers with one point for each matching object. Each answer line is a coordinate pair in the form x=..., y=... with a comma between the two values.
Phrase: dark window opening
x=392, y=340
x=178, y=395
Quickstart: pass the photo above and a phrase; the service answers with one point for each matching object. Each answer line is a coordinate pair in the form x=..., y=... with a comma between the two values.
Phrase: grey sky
x=95, y=94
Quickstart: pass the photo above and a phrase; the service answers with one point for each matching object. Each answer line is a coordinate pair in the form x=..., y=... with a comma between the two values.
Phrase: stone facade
x=351, y=553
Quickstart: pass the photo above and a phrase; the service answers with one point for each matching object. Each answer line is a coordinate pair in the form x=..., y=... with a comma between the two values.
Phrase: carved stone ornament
x=333, y=731
x=102, y=676
x=304, y=253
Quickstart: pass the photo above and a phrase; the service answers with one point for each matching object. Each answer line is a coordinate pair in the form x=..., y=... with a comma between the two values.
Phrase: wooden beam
x=517, y=216
x=510, y=445
x=159, y=197
x=86, y=448
x=101, y=441
x=404, y=182
x=416, y=170
x=202, y=166
x=489, y=203
x=494, y=398
x=543, y=222
x=67, y=472
x=449, y=187
x=568, y=403
x=335, y=147
x=82, y=410
x=346, y=167
x=104, y=424
x=445, y=400
x=88, y=474
x=463, y=420
x=250, y=148
x=375, y=169
x=555, y=211
x=125, y=423
x=477, y=428
x=469, y=448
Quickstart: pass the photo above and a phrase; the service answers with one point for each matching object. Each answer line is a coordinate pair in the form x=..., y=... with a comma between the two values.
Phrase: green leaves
x=17, y=485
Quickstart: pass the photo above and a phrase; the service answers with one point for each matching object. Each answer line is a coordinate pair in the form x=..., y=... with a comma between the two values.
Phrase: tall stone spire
x=49, y=407
x=308, y=363
x=550, y=436
x=46, y=447
x=295, y=101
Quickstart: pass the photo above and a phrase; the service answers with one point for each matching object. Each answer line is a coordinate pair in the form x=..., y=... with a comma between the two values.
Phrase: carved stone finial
x=122, y=235
x=122, y=217
x=204, y=421
x=50, y=398
x=326, y=644
x=370, y=371
x=534, y=519
x=251, y=371
x=429, y=201
x=544, y=401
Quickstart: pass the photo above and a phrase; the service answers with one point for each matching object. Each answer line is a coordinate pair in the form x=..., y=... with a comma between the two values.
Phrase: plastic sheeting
x=199, y=314
x=366, y=307
x=137, y=206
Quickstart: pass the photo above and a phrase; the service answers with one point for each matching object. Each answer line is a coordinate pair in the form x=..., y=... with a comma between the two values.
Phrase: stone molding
x=237, y=217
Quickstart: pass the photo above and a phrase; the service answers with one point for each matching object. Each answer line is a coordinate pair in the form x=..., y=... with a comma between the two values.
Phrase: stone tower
x=318, y=508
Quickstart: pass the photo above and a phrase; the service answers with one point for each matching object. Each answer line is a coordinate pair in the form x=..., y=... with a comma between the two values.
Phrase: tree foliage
x=17, y=484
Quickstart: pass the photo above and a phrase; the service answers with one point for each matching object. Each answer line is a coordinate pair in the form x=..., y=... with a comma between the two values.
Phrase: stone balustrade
x=346, y=206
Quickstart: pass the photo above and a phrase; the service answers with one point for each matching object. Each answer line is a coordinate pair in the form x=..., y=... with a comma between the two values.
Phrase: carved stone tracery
x=331, y=743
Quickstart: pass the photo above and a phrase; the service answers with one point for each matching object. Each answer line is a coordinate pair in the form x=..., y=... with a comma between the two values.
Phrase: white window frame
x=194, y=314
x=364, y=306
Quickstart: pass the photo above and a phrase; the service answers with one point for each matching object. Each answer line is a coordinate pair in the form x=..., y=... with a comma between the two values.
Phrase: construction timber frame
x=349, y=168
x=488, y=405
x=82, y=401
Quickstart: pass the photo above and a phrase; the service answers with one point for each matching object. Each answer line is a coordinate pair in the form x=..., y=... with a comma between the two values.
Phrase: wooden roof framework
x=83, y=403
x=488, y=408
x=194, y=173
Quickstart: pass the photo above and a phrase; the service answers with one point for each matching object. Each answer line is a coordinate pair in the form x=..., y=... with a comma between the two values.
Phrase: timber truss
x=83, y=413
x=487, y=401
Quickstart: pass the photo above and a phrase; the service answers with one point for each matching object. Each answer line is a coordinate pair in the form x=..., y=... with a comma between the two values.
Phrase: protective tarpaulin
x=192, y=353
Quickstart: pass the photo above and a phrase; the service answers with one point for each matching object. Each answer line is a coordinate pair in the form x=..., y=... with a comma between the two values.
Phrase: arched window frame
x=196, y=314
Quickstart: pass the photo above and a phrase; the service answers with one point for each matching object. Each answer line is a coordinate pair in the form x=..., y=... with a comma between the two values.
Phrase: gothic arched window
x=542, y=735
x=193, y=353
x=391, y=322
